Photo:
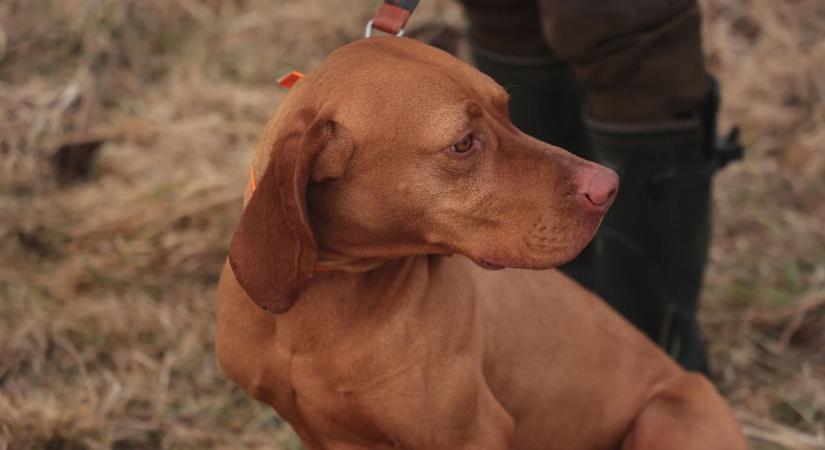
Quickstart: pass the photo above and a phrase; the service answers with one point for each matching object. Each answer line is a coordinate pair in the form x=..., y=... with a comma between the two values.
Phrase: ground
x=125, y=136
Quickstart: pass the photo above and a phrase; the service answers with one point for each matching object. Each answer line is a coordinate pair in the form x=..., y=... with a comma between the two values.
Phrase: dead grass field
x=106, y=285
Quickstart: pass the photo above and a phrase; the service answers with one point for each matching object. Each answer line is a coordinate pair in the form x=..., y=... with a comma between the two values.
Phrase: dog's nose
x=598, y=189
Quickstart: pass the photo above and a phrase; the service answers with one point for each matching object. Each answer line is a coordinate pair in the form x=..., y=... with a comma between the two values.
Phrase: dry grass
x=106, y=286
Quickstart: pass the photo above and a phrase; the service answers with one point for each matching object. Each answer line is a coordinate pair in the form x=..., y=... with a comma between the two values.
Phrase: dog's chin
x=545, y=262
x=485, y=264
x=497, y=260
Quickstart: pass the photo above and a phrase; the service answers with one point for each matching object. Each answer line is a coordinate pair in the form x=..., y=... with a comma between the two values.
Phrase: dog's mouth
x=540, y=251
x=553, y=259
x=489, y=265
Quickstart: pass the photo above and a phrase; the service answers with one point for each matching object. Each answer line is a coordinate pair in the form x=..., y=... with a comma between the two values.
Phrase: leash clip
x=368, y=30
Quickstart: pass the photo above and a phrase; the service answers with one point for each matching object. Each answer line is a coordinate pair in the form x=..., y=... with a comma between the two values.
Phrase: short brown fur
x=401, y=345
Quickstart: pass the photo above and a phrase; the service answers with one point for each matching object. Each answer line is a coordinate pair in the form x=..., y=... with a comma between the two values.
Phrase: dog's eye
x=464, y=145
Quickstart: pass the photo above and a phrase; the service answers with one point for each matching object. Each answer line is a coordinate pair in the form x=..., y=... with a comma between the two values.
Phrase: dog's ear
x=273, y=252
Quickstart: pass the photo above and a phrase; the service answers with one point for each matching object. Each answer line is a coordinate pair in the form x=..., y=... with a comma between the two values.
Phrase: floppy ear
x=273, y=252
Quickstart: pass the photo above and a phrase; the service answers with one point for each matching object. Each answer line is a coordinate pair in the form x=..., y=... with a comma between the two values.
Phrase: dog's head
x=392, y=148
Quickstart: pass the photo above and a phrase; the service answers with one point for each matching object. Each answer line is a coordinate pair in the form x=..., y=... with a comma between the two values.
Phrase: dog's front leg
x=686, y=414
x=494, y=427
x=447, y=406
x=474, y=420
x=478, y=422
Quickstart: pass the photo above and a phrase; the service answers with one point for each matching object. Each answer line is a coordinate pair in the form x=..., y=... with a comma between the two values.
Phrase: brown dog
x=387, y=159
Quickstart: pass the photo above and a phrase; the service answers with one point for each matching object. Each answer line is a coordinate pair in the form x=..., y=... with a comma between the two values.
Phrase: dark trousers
x=637, y=60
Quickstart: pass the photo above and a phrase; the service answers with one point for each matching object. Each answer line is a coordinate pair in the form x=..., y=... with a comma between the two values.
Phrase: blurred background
x=125, y=135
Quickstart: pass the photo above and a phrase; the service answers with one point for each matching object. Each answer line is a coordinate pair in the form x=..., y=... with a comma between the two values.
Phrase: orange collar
x=251, y=186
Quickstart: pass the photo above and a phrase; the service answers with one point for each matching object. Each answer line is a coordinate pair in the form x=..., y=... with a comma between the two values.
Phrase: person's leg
x=651, y=114
x=639, y=60
x=508, y=45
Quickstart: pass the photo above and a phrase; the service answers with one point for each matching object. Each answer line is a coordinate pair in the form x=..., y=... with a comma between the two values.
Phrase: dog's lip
x=489, y=265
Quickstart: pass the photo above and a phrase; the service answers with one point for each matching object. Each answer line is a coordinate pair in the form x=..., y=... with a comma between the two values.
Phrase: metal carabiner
x=368, y=30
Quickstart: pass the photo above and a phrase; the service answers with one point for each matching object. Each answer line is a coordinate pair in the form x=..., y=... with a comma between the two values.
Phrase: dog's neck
x=331, y=261
x=365, y=258
x=336, y=301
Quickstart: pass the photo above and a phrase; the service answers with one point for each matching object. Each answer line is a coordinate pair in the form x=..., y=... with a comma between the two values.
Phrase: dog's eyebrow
x=474, y=110
x=502, y=98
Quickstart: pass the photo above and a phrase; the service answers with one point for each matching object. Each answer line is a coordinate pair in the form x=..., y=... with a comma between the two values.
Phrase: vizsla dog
x=358, y=299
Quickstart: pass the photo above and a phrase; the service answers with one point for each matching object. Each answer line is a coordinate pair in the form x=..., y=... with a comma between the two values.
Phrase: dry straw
x=107, y=284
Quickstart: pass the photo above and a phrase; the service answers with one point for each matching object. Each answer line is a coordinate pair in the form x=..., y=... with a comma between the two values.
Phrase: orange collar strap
x=252, y=185
x=290, y=79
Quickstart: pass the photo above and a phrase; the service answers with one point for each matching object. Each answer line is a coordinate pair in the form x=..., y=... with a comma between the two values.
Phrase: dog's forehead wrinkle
x=414, y=131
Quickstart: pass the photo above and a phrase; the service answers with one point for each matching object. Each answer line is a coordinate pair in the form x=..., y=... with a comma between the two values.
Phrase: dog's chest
x=341, y=394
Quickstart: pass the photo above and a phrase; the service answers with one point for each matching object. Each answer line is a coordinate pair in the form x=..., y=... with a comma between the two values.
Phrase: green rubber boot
x=653, y=244
x=546, y=103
